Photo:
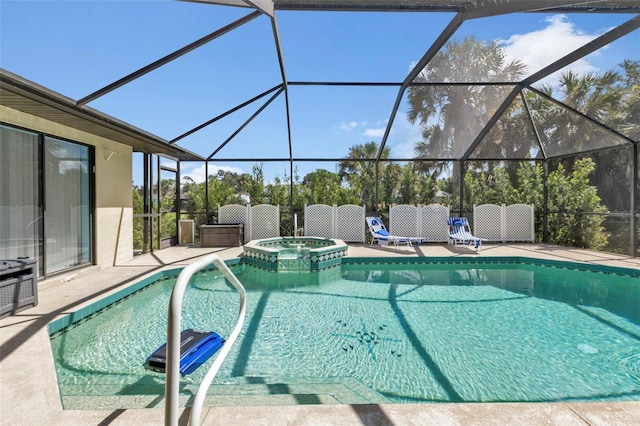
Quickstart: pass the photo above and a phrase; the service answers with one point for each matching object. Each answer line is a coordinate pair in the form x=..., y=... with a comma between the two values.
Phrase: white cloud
x=168, y=163
x=375, y=133
x=403, y=138
x=535, y=49
x=538, y=49
x=404, y=150
x=347, y=127
x=198, y=173
x=375, y=130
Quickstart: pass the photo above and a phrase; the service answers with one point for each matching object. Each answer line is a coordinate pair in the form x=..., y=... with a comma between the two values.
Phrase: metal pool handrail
x=172, y=391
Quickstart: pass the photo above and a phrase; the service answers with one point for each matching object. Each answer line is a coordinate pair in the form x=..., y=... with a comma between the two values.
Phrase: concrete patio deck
x=29, y=392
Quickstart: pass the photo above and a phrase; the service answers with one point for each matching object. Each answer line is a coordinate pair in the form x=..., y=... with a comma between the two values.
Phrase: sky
x=78, y=47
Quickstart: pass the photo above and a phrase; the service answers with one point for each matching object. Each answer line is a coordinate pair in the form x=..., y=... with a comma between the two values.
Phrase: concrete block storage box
x=18, y=285
x=222, y=235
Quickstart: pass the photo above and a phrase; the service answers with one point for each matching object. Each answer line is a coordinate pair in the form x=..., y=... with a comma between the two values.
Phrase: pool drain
x=587, y=349
x=365, y=337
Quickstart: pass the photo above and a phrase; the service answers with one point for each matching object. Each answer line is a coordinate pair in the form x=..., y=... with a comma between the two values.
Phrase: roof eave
x=31, y=98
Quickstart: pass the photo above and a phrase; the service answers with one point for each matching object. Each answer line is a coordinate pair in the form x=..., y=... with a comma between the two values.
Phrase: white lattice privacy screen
x=261, y=221
x=519, y=222
x=265, y=221
x=344, y=222
x=433, y=219
x=488, y=222
x=319, y=221
x=504, y=223
x=428, y=222
x=235, y=213
x=350, y=223
x=403, y=220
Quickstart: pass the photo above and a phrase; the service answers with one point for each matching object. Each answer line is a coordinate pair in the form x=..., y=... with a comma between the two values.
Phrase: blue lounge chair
x=460, y=233
x=380, y=234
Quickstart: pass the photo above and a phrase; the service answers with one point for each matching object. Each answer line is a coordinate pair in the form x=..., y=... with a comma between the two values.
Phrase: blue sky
x=77, y=47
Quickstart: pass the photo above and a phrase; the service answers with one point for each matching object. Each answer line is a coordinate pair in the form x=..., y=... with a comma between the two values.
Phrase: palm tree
x=613, y=99
x=390, y=182
x=361, y=175
x=630, y=125
x=451, y=116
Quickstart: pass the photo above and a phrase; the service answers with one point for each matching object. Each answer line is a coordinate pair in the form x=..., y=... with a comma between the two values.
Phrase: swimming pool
x=376, y=331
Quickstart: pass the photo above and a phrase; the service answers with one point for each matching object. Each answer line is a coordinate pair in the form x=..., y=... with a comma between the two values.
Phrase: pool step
x=255, y=391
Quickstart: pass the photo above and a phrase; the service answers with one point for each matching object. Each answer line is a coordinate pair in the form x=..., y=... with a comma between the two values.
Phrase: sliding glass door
x=45, y=200
x=67, y=220
x=20, y=213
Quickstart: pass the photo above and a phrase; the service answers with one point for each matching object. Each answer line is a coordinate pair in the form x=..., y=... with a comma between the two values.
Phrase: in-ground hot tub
x=295, y=253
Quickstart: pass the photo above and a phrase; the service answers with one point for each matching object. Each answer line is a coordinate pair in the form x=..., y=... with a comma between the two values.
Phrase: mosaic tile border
x=605, y=269
x=59, y=325
x=323, y=253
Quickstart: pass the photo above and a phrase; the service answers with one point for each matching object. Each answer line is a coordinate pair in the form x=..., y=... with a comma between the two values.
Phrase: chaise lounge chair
x=460, y=233
x=380, y=234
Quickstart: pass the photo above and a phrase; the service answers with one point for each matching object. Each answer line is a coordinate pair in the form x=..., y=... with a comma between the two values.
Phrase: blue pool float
x=196, y=347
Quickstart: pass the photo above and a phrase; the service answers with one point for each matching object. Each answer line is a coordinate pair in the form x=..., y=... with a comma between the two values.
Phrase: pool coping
x=29, y=393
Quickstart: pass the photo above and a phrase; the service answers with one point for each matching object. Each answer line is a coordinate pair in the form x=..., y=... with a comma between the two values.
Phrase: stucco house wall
x=113, y=221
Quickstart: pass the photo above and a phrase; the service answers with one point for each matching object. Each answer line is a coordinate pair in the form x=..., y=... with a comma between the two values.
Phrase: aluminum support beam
x=545, y=203
x=276, y=38
x=239, y=129
x=431, y=52
x=487, y=127
x=495, y=7
x=165, y=60
x=224, y=114
x=486, y=8
x=207, y=210
x=635, y=192
x=586, y=117
x=264, y=6
x=533, y=125
x=592, y=46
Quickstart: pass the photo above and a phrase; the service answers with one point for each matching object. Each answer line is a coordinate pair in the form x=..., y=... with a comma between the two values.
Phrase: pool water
x=375, y=333
x=293, y=253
